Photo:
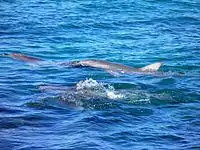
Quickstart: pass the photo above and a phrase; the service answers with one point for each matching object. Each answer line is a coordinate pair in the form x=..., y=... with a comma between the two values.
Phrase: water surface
x=97, y=110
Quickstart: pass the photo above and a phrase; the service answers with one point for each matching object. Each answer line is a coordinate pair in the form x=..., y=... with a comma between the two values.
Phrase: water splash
x=93, y=95
x=92, y=88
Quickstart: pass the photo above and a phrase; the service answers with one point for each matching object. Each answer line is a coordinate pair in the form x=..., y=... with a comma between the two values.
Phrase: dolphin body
x=115, y=68
x=112, y=68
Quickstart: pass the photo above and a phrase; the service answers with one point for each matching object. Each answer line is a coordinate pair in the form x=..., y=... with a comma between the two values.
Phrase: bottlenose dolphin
x=113, y=68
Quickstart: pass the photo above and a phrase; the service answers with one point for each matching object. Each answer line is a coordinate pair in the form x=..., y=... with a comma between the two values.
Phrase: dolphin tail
x=151, y=67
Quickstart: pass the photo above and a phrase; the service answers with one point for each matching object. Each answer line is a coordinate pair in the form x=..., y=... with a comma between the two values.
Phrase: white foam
x=88, y=84
x=113, y=95
x=92, y=88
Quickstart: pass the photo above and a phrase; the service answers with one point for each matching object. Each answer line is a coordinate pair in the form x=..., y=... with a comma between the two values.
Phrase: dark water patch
x=124, y=138
x=10, y=123
x=123, y=85
x=193, y=147
x=28, y=120
x=138, y=111
x=42, y=105
x=10, y=110
x=167, y=81
x=8, y=1
x=101, y=121
x=171, y=137
x=67, y=104
x=12, y=145
x=173, y=97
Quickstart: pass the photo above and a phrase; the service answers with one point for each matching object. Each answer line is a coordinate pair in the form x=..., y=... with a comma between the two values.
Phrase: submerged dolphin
x=113, y=68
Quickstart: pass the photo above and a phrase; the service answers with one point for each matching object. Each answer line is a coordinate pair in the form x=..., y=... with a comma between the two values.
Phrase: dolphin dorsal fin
x=151, y=67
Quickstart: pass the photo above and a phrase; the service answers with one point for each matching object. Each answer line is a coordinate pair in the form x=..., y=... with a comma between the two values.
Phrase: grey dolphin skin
x=113, y=68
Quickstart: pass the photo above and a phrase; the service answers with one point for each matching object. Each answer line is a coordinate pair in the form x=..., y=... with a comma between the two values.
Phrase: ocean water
x=49, y=106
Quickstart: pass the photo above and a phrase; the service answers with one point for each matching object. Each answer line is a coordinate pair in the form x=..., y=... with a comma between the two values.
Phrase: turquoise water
x=48, y=106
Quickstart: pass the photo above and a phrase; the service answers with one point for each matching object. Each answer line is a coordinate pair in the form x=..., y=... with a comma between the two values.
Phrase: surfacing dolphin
x=113, y=68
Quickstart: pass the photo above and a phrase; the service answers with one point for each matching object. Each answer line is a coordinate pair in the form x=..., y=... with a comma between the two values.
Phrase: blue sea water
x=48, y=106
